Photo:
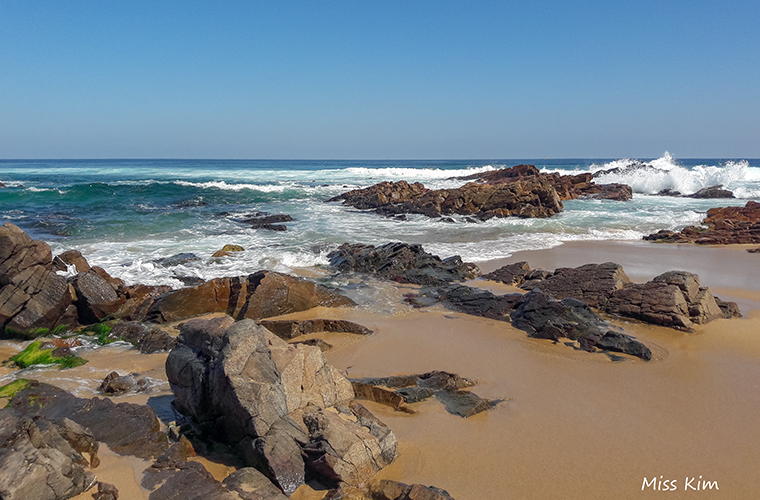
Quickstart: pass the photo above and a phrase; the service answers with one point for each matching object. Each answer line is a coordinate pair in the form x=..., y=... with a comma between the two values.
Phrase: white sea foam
x=668, y=174
x=399, y=173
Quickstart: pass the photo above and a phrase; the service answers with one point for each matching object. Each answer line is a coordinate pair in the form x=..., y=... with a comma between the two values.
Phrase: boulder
x=276, y=404
x=106, y=491
x=138, y=299
x=401, y=262
x=187, y=480
x=33, y=302
x=250, y=484
x=19, y=252
x=96, y=296
x=267, y=221
x=259, y=295
x=385, y=489
x=148, y=339
x=179, y=259
x=115, y=384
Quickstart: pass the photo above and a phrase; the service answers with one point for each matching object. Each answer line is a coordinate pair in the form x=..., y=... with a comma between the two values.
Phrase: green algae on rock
x=34, y=355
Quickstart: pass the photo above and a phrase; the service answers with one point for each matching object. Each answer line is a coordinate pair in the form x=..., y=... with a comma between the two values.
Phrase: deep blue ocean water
x=125, y=214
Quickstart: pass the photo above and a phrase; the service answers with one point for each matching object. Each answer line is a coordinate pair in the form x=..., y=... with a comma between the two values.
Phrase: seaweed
x=33, y=355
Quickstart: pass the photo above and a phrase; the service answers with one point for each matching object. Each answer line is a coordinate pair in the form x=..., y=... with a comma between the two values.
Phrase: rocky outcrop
x=289, y=329
x=674, y=299
x=268, y=221
x=281, y=406
x=568, y=187
x=259, y=295
x=725, y=226
x=96, y=297
x=401, y=262
x=523, y=197
x=71, y=258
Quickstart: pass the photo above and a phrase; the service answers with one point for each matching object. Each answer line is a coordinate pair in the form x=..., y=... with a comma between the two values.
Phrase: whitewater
x=125, y=215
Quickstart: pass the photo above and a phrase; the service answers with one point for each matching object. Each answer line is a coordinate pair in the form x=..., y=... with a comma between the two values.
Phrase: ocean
x=125, y=215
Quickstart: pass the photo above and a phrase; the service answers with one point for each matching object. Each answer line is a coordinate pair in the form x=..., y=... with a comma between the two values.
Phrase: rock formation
x=724, y=226
x=281, y=406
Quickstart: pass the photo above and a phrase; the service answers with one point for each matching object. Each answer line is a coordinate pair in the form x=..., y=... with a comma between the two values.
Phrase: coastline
x=575, y=425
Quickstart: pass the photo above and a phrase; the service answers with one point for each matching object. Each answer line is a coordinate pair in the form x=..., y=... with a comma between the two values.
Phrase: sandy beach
x=576, y=425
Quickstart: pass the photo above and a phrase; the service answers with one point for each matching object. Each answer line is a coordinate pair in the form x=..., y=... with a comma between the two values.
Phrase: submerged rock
x=290, y=329
x=712, y=192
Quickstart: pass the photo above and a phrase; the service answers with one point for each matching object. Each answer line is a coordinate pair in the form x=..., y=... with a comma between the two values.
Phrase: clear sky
x=379, y=79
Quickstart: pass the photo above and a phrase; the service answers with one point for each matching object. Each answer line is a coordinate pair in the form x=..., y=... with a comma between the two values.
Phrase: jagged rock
x=19, y=252
x=37, y=462
x=96, y=297
x=259, y=295
x=511, y=274
x=725, y=226
x=290, y=329
x=712, y=192
x=274, y=403
x=591, y=283
x=468, y=300
x=729, y=309
x=616, y=192
x=381, y=194
x=126, y=428
x=32, y=302
x=139, y=298
x=270, y=222
x=672, y=299
x=401, y=262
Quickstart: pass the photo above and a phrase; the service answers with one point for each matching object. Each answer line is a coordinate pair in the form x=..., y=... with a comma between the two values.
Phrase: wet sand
x=577, y=425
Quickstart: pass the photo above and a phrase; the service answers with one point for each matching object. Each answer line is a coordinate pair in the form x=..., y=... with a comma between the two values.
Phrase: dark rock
x=259, y=295
x=126, y=428
x=616, y=192
x=382, y=194
x=712, y=192
x=401, y=262
x=470, y=300
x=323, y=346
x=544, y=317
x=148, y=339
x=464, y=403
x=754, y=250
x=289, y=329
x=270, y=222
x=669, y=192
x=179, y=259
x=19, y=252
x=591, y=283
x=729, y=309
x=32, y=302
x=139, y=298
x=106, y=491
x=96, y=297
x=187, y=480
x=115, y=384
x=635, y=167
x=511, y=274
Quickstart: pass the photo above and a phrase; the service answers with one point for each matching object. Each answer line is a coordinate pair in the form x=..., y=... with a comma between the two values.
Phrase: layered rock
x=401, y=262
x=528, y=197
x=289, y=329
x=725, y=226
x=281, y=406
x=259, y=295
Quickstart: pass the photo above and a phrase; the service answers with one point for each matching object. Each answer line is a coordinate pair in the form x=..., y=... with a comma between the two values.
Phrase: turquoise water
x=125, y=214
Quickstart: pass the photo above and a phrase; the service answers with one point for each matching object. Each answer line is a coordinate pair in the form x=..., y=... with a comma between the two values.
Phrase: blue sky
x=390, y=79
